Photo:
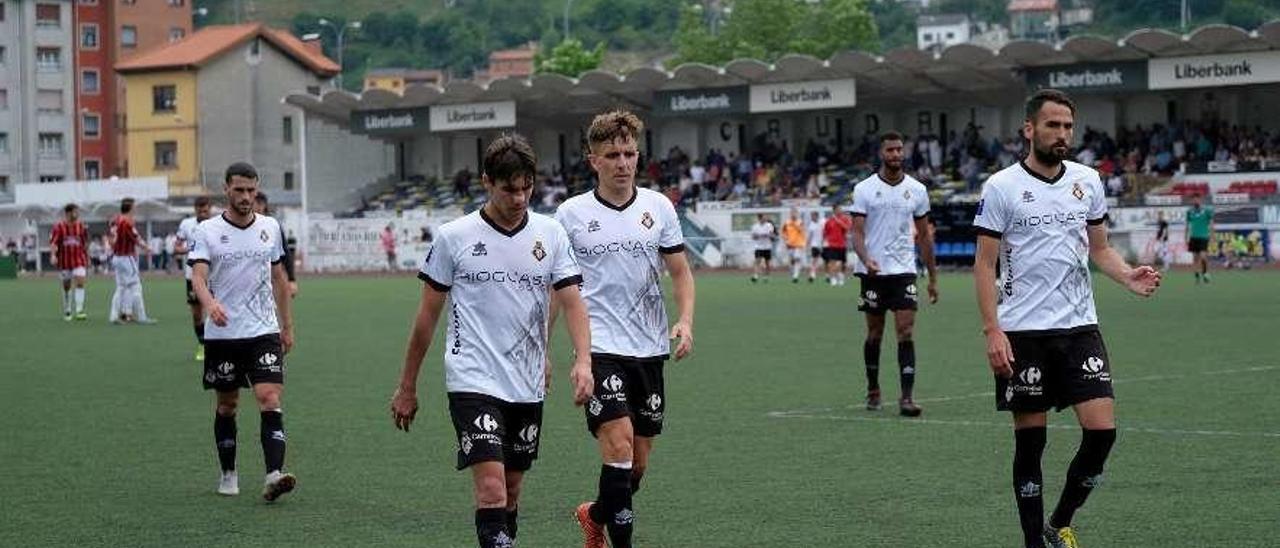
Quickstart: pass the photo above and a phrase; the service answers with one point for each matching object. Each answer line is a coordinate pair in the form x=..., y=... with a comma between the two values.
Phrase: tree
x=694, y=41
x=570, y=58
x=769, y=29
x=836, y=25
x=1244, y=14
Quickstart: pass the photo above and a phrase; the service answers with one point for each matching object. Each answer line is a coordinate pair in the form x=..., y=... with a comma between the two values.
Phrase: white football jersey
x=240, y=259
x=1044, y=283
x=499, y=286
x=762, y=235
x=620, y=251
x=186, y=231
x=814, y=231
x=890, y=211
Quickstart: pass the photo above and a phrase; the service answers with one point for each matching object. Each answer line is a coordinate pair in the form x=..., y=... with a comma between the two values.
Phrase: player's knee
x=617, y=447
x=491, y=492
x=227, y=408
x=268, y=399
x=905, y=332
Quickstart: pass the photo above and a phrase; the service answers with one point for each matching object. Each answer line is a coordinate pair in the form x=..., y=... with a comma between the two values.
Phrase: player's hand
x=932, y=288
x=53, y=259
x=293, y=289
x=286, y=339
x=682, y=333
x=1000, y=353
x=218, y=314
x=583, y=383
x=546, y=375
x=873, y=267
x=404, y=407
x=1143, y=280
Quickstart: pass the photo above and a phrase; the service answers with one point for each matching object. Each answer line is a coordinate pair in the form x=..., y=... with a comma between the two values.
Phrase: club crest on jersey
x=593, y=226
x=1028, y=197
x=906, y=194
x=478, y=250
x=224, y=239
x=264, y=236
x=538, y=252
x=646, y=220
x=1077, y=191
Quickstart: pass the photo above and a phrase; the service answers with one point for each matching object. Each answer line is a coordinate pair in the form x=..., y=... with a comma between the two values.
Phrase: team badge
x=593, y=226
x=262, y=235
x=538, y=252
x=225, y=239
x=1077, y=191
x=906, y=194
x=646, y=220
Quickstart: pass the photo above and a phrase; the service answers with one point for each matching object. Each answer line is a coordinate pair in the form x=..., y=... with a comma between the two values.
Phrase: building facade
x=37, y=92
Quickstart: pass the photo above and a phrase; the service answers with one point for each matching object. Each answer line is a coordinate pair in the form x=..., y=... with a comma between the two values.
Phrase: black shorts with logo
x=882, y=293
x=1055, y=370
x=835, y=254
x=490, y=429
x=815, y=253
x=1197, y=245
x=766, y=254
x=231, y=364
x=627, y=387
x=191, y=294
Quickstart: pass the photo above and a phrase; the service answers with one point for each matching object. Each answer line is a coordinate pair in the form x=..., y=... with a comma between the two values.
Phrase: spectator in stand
x=388, y=240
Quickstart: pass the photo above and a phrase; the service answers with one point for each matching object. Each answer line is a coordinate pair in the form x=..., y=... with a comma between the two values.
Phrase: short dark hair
x=614, y=124
x=126, y=205
x=1039, y=98
x=240, y=169
x=202, y=201
x=69, y=208
x=508, y=157
x=890, y=136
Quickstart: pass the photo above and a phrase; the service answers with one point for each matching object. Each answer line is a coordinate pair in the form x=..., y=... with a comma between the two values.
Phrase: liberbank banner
x=1228, y=69
x=818, y=95
x=389, y=121
x=473, y=116
x=696, y=102
x=1090, y=77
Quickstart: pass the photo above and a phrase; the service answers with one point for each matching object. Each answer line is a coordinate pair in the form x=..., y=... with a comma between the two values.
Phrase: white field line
x=1147, y=378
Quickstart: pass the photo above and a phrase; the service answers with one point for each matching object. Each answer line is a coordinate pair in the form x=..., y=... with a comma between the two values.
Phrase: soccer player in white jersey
x=499, y=267
x=813, y=234
x=186, y=233
x=624, y=236
x=763, y=236
x=1043, y=220
x=241, y=286
x=886, y=206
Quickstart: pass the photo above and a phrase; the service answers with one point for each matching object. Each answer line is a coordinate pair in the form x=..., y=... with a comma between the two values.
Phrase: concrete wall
x=340, y=163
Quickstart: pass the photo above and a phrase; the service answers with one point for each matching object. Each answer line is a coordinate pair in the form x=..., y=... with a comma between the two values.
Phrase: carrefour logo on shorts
x=529, y=434
x=486, y=422
x=1093, y=364
x=612, y=384
x=1030, y=375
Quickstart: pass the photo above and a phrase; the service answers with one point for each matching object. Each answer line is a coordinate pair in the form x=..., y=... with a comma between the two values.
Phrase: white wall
x=339, y=163
x=426, y=156
x=1097, y=112
x=672, y=133
x=1144, y=110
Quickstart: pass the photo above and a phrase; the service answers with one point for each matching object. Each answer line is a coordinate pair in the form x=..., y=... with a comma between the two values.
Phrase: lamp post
x=341, y=30
x=567, y=5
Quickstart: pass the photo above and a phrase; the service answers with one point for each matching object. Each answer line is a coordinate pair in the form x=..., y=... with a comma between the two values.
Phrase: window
x=176, y=34
x=89, y=36
x=4, y=99
x=166, y=154
x=4, y=179
x=49, y=101
x=177, y=3
x=51, y=145
x=255, y=46
x=91, y=125
x=4, y=143
x=48, y=59
x=928, y=37
x=49, y=15
x=129, y=36
x=1, y=11
x=951, y=36
x=164, y=98
x=52, y=178
x=89, y=2
x=89, y=82
x=92, y=170
x=314, y=90
x=288, y=129
x=2, y=50
x=288, y=180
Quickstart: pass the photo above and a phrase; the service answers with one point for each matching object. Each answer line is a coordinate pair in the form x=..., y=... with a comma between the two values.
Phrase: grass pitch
x=106, y=433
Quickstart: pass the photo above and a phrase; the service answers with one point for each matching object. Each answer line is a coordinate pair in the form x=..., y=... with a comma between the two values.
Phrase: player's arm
x=569, y=298
x=55, y=242
x=284, y=307
x=142, y=242
x=682, y=282
x=404, y=404
x=924, y=242
x=999, y=351
x=1142, y=280
x=200, y=284
x=859, y=229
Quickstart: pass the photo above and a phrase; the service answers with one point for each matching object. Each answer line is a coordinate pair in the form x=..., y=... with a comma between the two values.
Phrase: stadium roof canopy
x=957, y=75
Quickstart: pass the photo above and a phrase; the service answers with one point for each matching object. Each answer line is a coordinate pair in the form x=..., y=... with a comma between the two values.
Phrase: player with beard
x=1043, y=220
x=186, y=232
x=69, y=252
x=886, y=206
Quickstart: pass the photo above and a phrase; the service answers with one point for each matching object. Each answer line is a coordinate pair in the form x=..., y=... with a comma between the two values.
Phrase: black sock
x=871, y=357
x=224, y=437
x=491, y=528
x=1028, y=483
x=613, y=505
x=273, y=439
x=907, y=366
x=200, y=332
x=1084, y=474
x=513, y=525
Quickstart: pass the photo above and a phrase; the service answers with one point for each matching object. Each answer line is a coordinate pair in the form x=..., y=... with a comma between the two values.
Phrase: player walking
x=793, y=235
x=835, y=241
x=126, y=302
x=813, y=235
x=763, y=234
x=68, y=244
x=186, y=236
x=1199, y=228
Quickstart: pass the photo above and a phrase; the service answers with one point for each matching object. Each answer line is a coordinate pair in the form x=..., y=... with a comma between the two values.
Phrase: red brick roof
x=210, y=42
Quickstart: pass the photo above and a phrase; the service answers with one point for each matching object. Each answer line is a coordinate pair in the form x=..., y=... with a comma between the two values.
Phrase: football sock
x=871, y=357
x=79, y=298
x=224, y=436
x=116, y=301
x=66, y=301
x=200, y=332
x=491, y=528
x=1027, y=482
x=636, y=477
x=613, y=505
x=795, y=271
x=273, y=439
x=907, y=366
x=513, y=525
x=140, y=308
x=1084, y=474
